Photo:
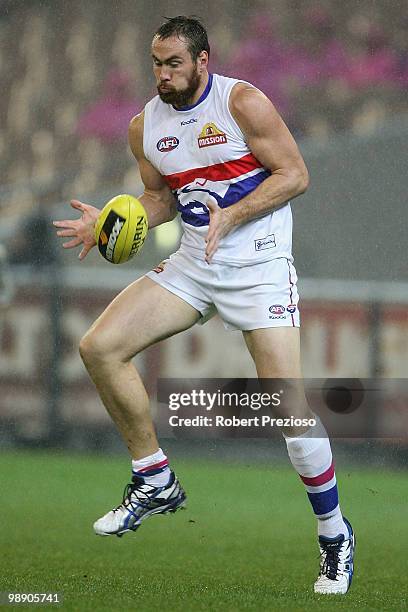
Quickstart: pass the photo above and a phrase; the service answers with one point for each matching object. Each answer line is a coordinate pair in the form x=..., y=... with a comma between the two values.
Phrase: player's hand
x=220, y=225
x=80, y=230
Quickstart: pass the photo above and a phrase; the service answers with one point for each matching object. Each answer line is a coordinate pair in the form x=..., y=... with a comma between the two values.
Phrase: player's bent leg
x=276, y=353
x=139, y=316
x=142, y=314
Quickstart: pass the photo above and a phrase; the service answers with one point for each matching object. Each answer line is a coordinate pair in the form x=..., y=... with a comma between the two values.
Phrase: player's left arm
x=273, y=145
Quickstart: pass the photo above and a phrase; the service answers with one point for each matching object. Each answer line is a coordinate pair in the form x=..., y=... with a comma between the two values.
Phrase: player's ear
x=202, y=59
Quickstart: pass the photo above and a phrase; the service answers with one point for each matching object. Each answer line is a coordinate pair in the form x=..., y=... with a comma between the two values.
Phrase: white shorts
x=250, y=297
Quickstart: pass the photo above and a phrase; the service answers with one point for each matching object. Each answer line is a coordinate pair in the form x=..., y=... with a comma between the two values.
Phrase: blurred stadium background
x=73, y=74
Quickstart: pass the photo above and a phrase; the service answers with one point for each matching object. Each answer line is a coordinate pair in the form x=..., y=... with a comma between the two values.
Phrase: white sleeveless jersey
x=201, y=152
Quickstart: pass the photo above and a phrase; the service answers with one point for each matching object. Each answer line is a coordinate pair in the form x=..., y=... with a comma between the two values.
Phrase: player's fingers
x=212, y=246
x=212, y=206
x=67, y=233
x=210, y=233
x=209, y=256
x=212, y=230
x=85, y=251
x=72, y=243
x=78, y=205
x=67, y=223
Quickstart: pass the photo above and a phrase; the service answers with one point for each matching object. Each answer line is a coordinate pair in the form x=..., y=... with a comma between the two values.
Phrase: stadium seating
x=327, y=67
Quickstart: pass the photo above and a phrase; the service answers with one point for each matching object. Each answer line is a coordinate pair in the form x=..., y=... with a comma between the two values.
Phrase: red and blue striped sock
x=154, y=469
x=311, y=457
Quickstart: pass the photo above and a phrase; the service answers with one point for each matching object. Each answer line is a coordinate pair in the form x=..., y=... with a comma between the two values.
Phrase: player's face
x=178, y=77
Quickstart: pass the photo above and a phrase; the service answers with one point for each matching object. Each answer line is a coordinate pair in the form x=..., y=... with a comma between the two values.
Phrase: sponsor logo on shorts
x=189, y=121
x=109, y=234
x=168, y=143
x=210, y=135
x=159, y=268
x=291, y=308
x=277, y=311
x=268, y=242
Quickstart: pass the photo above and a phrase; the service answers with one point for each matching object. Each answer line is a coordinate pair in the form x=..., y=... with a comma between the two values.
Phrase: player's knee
x=90, y=348
x=95, y=348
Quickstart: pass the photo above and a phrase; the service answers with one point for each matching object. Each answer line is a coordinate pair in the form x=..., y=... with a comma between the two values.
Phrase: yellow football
x=121, y=229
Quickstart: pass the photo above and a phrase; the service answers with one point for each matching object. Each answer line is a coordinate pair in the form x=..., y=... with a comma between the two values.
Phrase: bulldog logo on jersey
x=210, y=135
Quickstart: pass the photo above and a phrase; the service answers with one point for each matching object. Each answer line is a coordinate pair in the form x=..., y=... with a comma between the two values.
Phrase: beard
x=180, y=97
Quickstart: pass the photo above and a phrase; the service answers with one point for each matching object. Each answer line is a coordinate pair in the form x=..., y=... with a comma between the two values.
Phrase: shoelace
x=132, y=489
x=330, y=565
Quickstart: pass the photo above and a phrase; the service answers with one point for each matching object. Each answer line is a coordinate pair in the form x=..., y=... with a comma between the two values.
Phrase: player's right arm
x=157, y=199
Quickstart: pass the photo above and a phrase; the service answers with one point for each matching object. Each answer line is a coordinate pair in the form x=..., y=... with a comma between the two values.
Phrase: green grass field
x=246, y=541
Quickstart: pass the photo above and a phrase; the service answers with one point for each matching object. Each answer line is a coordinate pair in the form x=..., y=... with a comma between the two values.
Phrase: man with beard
x=216, y=150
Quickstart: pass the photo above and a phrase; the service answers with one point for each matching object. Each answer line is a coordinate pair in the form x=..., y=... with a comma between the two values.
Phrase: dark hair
x=190, y=29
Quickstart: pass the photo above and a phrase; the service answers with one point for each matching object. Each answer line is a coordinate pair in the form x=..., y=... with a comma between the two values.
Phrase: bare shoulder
x=250, y=106
x=266, y=134
x=136, y=126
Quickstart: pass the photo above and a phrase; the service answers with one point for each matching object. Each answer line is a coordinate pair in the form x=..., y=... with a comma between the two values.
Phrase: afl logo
x=168, y=143
x=277, y=309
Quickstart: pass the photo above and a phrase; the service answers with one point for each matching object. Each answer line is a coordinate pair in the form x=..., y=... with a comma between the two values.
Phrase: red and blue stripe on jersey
x=227, y=182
